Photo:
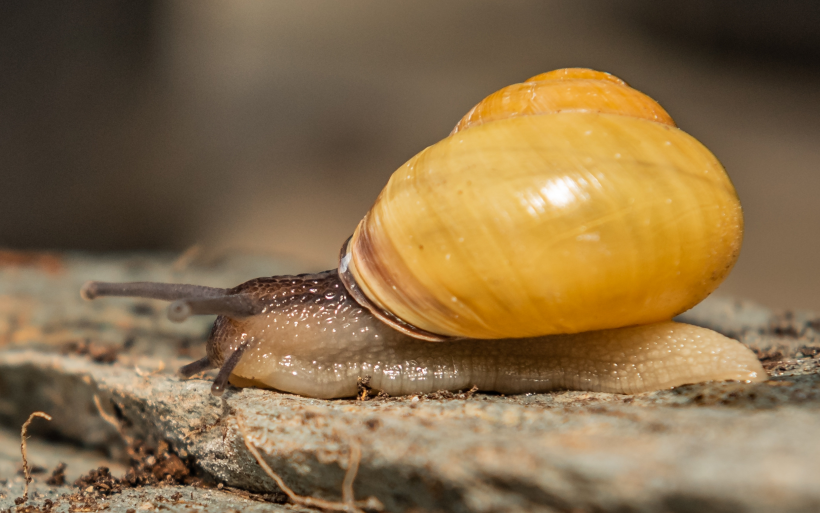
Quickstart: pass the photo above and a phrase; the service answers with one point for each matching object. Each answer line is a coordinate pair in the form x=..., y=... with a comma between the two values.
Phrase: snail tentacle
x=235, y=306
x=187, y=299
x=204, y=364
x=149, y=290
x=221, y=380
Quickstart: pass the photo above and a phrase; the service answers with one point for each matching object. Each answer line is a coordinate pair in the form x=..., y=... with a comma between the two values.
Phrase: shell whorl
x=565, y=90
x=583, y=208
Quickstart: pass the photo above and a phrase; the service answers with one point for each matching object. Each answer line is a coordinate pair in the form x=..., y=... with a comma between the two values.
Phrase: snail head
x=225, y=350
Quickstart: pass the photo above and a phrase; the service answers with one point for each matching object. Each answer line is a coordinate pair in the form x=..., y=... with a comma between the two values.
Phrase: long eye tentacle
x=187, y=299
x=235, y=306
x=149, y=290
x=221, y=381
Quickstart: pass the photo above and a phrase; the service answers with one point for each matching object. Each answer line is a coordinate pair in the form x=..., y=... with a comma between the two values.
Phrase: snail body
x=543, y=246
x=325, y=341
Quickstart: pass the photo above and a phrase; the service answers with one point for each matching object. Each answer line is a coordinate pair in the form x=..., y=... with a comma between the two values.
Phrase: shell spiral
x=567, y=203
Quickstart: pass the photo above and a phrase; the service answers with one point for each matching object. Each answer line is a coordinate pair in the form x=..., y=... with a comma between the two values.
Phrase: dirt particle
x=142, y=310
x=99, y=480
x=149, y=466
x=773, y=383
x=363, y=388
x=99, y=353
x=57, y=476
x=48, y=262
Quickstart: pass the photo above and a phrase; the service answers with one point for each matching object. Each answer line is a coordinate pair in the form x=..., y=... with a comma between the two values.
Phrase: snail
x=545, y=244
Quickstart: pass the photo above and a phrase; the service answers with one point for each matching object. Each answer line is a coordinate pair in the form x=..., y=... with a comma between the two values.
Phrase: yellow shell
x=583, y=208
x=563, y=90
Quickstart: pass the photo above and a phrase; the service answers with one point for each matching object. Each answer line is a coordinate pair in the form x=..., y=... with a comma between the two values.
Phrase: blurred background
x=272, y=126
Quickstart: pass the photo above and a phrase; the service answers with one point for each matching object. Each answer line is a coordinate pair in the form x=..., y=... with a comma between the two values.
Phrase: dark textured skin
x=277, y=292
x=313, y=339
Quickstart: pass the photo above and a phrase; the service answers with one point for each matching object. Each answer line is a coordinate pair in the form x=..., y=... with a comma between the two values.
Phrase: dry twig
x=129, y=441
x=144, y=374
x=350, y=475
x=185, y=258
x=348, y=503
x=24, y=448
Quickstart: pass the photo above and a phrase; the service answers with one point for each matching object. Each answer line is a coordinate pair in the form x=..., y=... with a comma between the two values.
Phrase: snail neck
x=347, y=275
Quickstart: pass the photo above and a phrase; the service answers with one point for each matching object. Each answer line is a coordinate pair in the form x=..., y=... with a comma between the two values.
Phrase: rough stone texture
x=705, y=447
x=146, y=499
x=45, y=455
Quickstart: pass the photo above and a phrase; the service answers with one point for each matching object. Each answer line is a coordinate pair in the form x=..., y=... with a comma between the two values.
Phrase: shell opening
x=347, y=274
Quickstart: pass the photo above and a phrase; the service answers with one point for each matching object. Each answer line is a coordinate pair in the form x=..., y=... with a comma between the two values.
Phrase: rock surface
x=173, y=499
x=705, y=447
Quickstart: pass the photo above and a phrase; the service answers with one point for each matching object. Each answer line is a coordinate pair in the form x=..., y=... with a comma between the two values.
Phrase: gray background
x=272, y=126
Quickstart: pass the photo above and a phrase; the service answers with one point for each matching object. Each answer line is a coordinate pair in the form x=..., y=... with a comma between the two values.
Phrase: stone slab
x=705, y=447
x=753, y=447
x=169, y=499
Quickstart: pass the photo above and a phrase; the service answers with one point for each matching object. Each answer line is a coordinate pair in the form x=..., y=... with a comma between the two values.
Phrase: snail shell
x=567, y=203
x=564, y=221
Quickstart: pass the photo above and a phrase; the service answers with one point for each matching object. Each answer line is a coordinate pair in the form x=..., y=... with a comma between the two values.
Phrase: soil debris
x=273, y=498
x=148, y=467
x=100, y=481
x=48, y=262
x=57, y=476
x=363, y=387
x=47, y=507
x=99, y=353
x=441, y=395
x=366, y=393
x=154, y=466
x=776, y=349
